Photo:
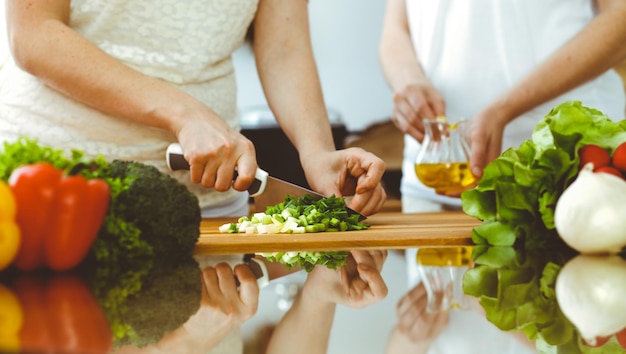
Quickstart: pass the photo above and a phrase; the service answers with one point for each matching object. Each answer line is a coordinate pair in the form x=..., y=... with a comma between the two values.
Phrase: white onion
x=590, y=291
x=590, y=215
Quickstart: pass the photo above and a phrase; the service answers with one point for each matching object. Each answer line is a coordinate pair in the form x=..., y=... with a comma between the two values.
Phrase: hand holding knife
x=266, y=190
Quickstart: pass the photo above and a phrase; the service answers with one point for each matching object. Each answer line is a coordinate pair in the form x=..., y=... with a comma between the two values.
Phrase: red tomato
x=619, y=157
x=600, y=341
x=594, y=153
x=611, y=170
x=621, y=337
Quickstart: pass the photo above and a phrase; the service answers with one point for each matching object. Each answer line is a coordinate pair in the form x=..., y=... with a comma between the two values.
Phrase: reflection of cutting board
x=388, y=230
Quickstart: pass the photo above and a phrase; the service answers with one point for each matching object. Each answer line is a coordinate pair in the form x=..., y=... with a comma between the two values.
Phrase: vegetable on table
x=519, y=190
x=150, y=213
x=301, y=215
x=590, y=215
x=59, y=216
x=9, y=230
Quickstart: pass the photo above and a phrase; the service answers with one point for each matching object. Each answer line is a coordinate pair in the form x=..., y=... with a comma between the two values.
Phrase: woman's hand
x=413, y=103
x=350, y=172
x=214, y=151
x=413, y=320
x=486, y=134
x=357, y=284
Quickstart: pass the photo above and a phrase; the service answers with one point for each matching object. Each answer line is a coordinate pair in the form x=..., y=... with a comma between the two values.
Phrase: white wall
x=345, y=37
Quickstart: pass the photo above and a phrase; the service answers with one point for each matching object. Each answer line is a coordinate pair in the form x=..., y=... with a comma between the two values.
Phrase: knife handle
x=176, y=162
x=259, y=270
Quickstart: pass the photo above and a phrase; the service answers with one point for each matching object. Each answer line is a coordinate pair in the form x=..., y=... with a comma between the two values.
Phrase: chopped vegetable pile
x=301, y=215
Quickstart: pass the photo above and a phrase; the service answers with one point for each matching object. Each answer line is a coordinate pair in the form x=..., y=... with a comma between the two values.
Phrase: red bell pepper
x=60, y=315
x=59, y=216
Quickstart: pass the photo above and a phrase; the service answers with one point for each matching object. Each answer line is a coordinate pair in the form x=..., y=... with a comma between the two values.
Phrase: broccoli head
x=151, y=214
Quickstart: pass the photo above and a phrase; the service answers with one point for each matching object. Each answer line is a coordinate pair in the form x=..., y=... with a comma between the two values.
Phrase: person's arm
x=43, y=44
x=288, y=74
x=309, y=321
x=596, y=49
x=414, y=96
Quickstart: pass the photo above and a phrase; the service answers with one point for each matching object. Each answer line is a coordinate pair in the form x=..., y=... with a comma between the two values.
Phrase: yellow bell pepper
x=9, y=230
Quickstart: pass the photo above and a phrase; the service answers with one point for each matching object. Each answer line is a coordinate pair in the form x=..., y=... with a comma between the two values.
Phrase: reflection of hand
x=348, y=172
x=412, y=104
x=413, y=320
x=223, y=306
x=358, y=284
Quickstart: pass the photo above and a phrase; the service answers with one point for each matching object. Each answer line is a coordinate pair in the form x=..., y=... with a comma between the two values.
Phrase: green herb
x=301, y=215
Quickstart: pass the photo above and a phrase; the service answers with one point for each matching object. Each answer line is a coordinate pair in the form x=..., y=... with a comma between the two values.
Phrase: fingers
x=214, y=157
x=375, y=283
x=224, y=294
x=248, y=288
x=375, y=258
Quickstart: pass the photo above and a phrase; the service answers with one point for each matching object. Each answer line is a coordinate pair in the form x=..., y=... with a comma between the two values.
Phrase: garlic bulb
x=590, y=215
x=590, y=292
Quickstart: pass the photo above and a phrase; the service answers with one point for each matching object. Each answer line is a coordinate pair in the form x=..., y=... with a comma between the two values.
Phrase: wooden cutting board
x=390, y=230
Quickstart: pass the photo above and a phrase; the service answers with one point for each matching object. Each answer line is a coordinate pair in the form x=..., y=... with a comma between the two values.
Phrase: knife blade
x=266, y=190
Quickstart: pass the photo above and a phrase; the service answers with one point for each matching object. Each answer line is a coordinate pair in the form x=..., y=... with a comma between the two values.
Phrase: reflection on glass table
x=564, y=301
x=187, y=306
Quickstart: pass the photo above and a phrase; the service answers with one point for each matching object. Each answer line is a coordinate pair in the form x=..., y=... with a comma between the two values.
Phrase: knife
x=266, y=190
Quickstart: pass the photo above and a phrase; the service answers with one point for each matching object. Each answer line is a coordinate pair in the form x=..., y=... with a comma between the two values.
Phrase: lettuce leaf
x=518, y=192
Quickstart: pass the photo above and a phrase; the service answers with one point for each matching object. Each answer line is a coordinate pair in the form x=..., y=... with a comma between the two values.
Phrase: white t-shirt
x=185, y=43
x=472, y=51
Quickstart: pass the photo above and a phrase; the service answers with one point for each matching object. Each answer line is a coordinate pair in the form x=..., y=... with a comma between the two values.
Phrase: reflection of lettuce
x=516, y=288
x=148, y=299
x=518, y=192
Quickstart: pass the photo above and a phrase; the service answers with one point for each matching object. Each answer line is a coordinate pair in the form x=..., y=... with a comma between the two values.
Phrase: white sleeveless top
x=472, y=51
x=186, y=43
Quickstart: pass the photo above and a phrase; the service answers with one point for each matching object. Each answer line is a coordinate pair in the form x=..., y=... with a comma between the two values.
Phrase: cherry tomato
x=608, y=169
x=600, y=341
x=621, y=337
x=594, y=153
x=619, y=157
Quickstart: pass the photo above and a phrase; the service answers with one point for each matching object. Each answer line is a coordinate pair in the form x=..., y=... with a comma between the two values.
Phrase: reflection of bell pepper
x=11, y=319
x=9, y=231
x=59, y=216
x=61, y=315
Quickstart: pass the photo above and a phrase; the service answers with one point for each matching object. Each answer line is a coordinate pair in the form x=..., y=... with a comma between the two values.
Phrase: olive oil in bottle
x=444, y=177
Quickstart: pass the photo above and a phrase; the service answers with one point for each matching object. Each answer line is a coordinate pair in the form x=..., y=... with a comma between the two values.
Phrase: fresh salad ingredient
x=590, y=292
x=598, y=155
x=151, y=214
x=10, y=237
x=590, y=215
x=618, y=160
x=307, y=260
x=299, y=215
x=621, y=337
x=518, y=193
x=59, y=216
